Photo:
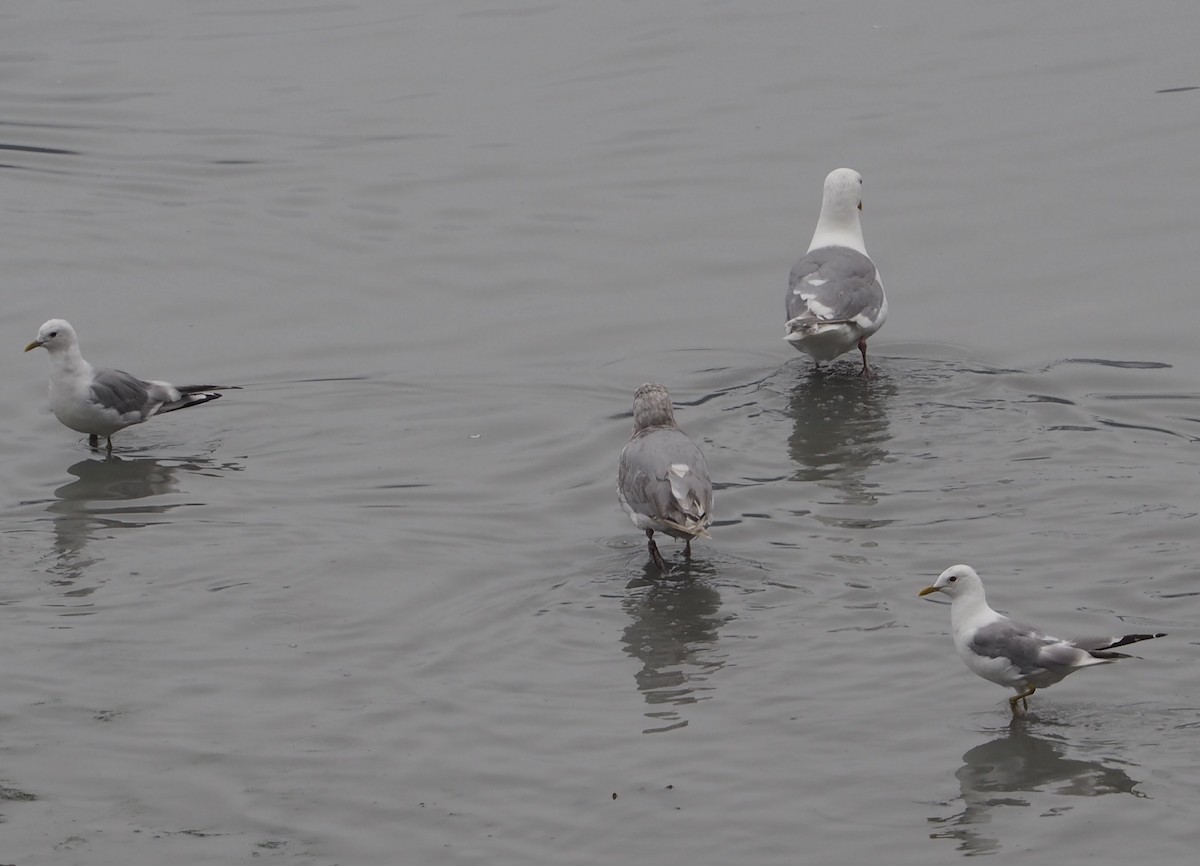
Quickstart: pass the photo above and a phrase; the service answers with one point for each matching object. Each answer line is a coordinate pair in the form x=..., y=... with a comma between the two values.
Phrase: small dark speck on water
x=1178, y=89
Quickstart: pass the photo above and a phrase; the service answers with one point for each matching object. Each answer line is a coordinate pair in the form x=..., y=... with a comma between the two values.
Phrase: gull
x=662, y=479
x=835, y=299
x=1009, y=653
x=100, y=402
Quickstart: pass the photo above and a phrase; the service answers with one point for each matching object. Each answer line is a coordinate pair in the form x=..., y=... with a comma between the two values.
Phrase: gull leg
x=1022, y=698
x=109, y=438
x=687, y=548
x=862, y=347
x=654, y=554
x=93, y=440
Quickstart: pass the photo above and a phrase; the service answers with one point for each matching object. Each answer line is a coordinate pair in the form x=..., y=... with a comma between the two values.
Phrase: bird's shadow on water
x=110, y=494
x=839, y=428
x=1022, y=760
x=674, y=626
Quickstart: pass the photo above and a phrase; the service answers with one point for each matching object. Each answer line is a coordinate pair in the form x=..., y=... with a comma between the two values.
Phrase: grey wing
x=122, y=392
x=663, y=475
x=834, y=284
x=1027, y=648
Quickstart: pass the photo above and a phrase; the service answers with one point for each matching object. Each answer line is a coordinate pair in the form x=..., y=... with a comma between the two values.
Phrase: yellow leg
x=1023, y=698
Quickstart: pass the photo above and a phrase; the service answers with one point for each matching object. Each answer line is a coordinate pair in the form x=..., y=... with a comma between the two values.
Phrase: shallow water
x=381, y=606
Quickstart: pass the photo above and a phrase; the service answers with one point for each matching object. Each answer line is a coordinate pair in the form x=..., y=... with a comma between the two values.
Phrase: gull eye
x=952, y=578
x=53, y=334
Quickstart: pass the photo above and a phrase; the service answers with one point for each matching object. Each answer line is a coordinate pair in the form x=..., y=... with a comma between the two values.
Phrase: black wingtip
x=188, y=401
x=1133, y=638
x=196, y=389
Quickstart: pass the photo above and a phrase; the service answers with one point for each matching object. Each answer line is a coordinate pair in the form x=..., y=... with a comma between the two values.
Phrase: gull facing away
x=662, y=479
x=835, y=299
x=1009, y=653
x=101, y=402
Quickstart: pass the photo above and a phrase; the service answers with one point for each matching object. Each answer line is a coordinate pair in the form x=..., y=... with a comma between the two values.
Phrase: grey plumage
x=680, y=502
x=1043, y=659
x=842, y=283
x=121, y=392
x=1033, y=654
x=662, y=477
x=125, y=393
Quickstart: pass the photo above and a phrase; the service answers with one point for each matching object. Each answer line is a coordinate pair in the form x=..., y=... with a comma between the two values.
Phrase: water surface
x=381, y=606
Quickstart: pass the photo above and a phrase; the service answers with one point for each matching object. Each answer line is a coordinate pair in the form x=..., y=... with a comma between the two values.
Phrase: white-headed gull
x=1011, y=654
x=101, y=402
x=835, y=300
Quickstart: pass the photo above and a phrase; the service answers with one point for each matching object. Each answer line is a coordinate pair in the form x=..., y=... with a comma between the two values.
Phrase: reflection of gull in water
x=102, y=496
x=1018, y=763
x=673, y=630
x=116, y=479
x=840, y=431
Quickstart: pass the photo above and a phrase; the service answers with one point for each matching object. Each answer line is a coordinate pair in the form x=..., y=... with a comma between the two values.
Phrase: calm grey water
x=381, y=605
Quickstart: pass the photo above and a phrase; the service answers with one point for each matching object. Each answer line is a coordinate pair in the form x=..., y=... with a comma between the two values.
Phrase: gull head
x=652, y=407
x=54, y=336
x=843, y=195
x=956, y=581
x=839, y=225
